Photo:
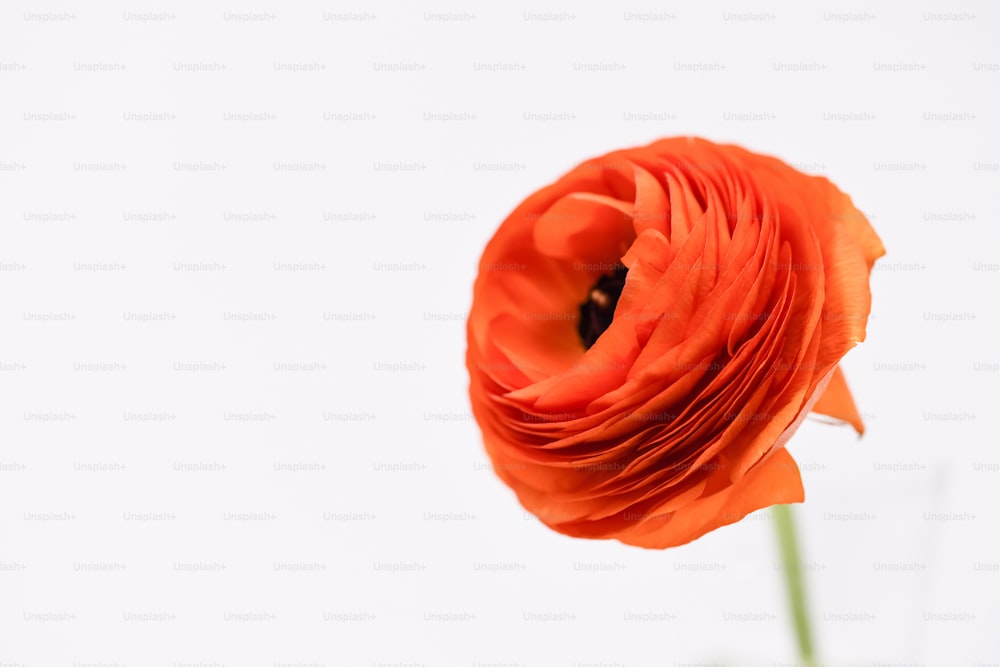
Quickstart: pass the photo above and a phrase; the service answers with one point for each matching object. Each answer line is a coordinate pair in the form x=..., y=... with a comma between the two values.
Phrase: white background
x=237, y=245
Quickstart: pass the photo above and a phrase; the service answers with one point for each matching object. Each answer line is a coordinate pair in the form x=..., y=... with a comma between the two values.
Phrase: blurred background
x=237, y=245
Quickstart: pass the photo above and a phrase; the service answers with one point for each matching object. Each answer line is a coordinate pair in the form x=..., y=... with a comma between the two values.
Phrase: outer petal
x=773, y=481
x=838, y=403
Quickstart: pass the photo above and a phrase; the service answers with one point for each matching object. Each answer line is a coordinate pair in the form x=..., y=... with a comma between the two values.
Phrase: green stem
x=784, y=520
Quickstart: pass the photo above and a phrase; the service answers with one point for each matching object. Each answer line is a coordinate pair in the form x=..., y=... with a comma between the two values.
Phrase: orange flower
x=648, y=331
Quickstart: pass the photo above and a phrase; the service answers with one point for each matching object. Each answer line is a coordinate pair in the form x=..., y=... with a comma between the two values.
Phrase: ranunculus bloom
x=648, y=331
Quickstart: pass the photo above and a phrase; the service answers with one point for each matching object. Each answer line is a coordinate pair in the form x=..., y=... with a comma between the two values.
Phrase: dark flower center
x=598, y=310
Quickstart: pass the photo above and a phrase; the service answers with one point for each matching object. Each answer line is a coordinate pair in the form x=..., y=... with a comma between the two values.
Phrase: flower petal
x=772, y=481
x=838, y=403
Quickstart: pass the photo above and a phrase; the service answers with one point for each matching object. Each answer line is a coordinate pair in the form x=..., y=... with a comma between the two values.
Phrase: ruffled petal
x=838, y=403
x=775, y=480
